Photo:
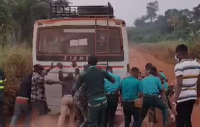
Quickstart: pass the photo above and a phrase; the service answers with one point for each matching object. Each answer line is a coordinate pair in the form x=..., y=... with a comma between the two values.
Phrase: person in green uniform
x=132, y=89
x=94, y=83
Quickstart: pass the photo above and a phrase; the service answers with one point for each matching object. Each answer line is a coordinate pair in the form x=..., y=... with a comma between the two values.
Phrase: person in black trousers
x=111, y=90
x=93, y=80
x=132, y=93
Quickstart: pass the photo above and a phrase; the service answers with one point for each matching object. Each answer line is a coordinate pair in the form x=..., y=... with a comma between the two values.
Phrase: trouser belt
x=97, y=105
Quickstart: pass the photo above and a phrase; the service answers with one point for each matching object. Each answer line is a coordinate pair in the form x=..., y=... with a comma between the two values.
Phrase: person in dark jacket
x=2, y=88
x=94, y=82
x=67, y=104
x=22, y=102
x=23, y=99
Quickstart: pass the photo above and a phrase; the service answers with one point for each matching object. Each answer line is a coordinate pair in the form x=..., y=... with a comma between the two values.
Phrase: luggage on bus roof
x=58, y=11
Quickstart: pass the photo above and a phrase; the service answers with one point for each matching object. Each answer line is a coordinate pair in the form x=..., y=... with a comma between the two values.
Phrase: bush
x=17, y=63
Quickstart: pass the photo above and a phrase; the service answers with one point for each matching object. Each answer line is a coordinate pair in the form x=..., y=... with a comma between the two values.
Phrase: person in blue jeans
x=131, y=89
x=152, y=88
x=111, y=90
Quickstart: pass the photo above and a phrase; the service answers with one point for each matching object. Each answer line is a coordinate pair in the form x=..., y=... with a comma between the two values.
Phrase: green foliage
x=18, y=16
x=173, y=25
x=17, y=63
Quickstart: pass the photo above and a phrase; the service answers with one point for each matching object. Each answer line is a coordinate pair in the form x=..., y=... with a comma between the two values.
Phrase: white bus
x=74, y=36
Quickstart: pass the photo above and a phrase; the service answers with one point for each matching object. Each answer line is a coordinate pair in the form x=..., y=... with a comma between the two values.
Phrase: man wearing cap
x=94, y=82
x=38, y=97
x=111, y=90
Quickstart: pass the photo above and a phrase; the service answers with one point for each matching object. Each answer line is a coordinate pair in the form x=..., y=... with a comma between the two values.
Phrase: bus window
x=62, y=40
x=57, y=41
x=114, y=41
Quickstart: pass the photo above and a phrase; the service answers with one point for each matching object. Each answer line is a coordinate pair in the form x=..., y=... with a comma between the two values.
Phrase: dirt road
x=139, y=59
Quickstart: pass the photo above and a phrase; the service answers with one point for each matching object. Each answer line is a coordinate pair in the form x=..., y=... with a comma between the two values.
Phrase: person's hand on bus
x=52, y=66
x=74, y=64
x=60, y=65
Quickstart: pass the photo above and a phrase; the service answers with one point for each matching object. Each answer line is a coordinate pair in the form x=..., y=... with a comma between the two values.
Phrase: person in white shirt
x=187, y=86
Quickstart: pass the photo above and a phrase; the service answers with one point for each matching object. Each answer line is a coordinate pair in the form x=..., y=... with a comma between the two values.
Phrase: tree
x=25, y=13
x=152, y=8
x=5, y=21
x=173, y=16
x=140, y=21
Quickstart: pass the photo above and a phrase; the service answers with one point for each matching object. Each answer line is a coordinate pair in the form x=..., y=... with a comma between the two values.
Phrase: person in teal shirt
x=131, y=89
x=166, y=88
x=152, y=88
x=164, y=78
x=111, y=90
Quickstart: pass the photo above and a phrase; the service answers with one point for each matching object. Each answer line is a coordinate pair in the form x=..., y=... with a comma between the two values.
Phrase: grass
x=16, y=63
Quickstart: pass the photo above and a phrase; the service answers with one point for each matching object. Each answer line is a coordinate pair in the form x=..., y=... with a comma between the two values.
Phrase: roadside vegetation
x=16, y=26
x=159, y=34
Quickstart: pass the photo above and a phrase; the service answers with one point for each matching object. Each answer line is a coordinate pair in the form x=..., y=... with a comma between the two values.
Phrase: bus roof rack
x=63, y=11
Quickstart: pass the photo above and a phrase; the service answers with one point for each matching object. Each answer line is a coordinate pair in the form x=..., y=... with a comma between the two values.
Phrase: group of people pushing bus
x=92, y=96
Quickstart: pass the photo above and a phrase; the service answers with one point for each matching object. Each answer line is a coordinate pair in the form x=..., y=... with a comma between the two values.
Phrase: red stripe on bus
x=115, y=67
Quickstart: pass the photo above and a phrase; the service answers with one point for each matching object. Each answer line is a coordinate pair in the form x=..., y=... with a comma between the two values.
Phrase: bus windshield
x=65, y=40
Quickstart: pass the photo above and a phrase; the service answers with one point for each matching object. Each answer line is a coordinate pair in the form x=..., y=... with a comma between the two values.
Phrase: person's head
x=60, y=65
x=153, y=71
x=92, y=60
x=38, y=68
x=148, y=66
x=109, y=69
x=181, y=52
x=135, y=72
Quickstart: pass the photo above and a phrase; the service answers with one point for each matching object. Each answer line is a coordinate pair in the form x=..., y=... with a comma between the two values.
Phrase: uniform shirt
x=38, y=88
x=111, y=88
x=189, y=69
x=152, y=85
x=130, y=88
x=94, y=82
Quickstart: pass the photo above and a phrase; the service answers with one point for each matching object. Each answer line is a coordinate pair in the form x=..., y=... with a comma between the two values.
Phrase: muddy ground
x=139, y=59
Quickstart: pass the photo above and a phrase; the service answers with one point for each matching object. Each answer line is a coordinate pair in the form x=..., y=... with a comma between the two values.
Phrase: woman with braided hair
x=81, y=102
